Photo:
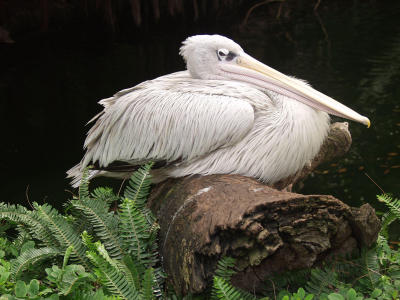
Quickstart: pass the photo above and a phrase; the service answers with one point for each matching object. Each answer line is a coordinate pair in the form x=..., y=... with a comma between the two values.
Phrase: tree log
x=268, y=231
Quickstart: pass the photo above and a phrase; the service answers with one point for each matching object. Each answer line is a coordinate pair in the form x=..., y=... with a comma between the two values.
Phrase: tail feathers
x=76, y=174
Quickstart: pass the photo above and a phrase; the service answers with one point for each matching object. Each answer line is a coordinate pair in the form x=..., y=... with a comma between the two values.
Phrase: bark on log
x=269, y=231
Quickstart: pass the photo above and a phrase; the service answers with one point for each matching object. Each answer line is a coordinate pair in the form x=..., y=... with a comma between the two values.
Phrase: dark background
x=61, y=57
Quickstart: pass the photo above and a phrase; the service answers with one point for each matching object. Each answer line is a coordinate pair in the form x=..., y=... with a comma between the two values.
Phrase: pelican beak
x=251, y=70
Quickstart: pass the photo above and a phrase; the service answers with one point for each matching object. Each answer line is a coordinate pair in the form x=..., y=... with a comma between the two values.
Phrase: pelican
x=227, y=113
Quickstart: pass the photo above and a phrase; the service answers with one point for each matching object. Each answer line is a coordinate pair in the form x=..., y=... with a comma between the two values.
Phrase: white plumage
x=225, y=115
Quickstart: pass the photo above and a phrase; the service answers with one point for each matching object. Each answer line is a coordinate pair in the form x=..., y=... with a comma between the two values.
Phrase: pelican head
x=218, y=57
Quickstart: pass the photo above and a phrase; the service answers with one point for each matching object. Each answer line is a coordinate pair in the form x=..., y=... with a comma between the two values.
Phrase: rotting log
x=267, y=230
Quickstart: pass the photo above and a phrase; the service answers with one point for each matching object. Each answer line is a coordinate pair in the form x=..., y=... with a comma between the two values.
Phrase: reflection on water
x=349, y=53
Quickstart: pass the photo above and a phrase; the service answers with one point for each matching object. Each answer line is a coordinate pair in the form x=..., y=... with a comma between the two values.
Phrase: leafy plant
x=222, y=288
x=98, y=250
x=124, y=259
x=69, y=277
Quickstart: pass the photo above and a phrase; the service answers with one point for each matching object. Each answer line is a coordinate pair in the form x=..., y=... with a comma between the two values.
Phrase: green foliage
x=124, y=258
x=104, y=223
x=222, y=289
x=95, y=251
x=68, y=278
x=111, y=274
x=30, y=221
x=321, y=281
x=294, y=279
x=84, y=186
x=387, y=219
x=225, y=268
x=393, y=214
x=299, y=295
x=30, y=257
x=139, y=187
x=63, y=231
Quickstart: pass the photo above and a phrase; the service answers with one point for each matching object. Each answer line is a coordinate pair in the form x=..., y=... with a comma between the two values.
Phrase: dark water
x=50, y=85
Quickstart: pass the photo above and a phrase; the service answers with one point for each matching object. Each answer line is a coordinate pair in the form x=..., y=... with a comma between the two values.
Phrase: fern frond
x=87, y=240
x=134, y=271
x=30, y=220
x=134, y=229
x=321, y=281
x=371, y=262
x=84, y=185
x=384, y=252
x=222, y=286
x=387, y=219
x=30, y=257
x=67, y=255
x=22, y=237
x=105, y=194
x=223, y=290
x=225, y=268
x=147, y=285
x=105, y=255
x=392, y=204
x=63, y=232
x=159, y=277
x=138, y=226
x=140, y=241
x=110, y=275
x=98, y=295
x=138, y=187
x=289, y=280
x=103, y=222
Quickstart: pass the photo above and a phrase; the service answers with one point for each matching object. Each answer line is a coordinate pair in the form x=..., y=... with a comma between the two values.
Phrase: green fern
x=225, y=268
x=30, y=221
x=103, y=222
x=84, y=185
x=322, y=281
x=371, y=272
x=392, y=204
x=63, y=232
x=222, y=288
x=97, y=295
x=111, y=275
x=67, y=255
x=133, y=274
x=387, y=219
x=135, y=271
x=292, y=280
x=138, y=228
x=134, y=229
x=105, y=194
x=147, y=291
x=30, y=257
x=125, y=257
x=138, y=187
x=22, y=237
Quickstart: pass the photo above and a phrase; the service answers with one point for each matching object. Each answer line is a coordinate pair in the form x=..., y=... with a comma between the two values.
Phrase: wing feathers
x=162, y=121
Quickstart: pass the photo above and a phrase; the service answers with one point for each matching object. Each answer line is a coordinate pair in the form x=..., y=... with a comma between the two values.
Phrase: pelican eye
x=224, y=54
x=230, y=56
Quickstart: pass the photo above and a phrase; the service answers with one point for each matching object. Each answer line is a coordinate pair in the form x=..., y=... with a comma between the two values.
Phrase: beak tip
x=367, y=122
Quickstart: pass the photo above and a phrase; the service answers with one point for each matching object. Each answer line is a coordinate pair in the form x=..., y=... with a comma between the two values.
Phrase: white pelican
x=227, y=114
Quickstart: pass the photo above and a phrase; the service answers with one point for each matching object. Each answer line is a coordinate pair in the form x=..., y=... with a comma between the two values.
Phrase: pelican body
x=226, y=114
